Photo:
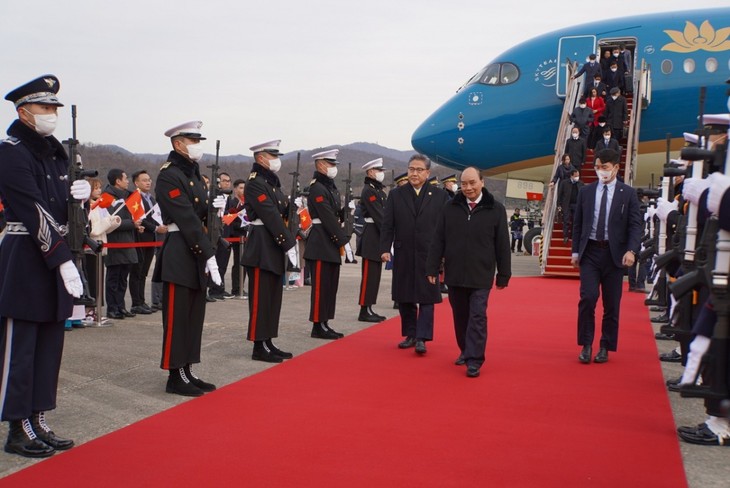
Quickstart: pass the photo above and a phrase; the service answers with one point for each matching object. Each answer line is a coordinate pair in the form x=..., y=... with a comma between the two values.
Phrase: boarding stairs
x=555, y=253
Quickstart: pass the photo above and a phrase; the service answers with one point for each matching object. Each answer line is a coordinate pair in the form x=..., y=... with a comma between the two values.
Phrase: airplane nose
x=438, y=136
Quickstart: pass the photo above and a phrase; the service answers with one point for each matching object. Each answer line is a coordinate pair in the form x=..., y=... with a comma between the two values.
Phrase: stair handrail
x=632, y=139
x=550, y=207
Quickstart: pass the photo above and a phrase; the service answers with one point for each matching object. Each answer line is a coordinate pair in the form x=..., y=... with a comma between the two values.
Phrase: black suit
x=139, y=271
x=567, y=199
x=601, y=259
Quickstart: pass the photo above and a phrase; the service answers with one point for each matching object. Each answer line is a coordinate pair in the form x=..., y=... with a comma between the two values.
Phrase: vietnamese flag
x=534, y=196
x=305, y=220
x=134, y=205
x=104, y=201
x=229, y=218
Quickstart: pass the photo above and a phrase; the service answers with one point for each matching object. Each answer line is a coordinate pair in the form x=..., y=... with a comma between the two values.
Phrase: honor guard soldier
x=401, y=179
x=325, y=240
x=185, y=259
x=264, y=256
x=372, y=200
x=451, y=185
x=39, y=277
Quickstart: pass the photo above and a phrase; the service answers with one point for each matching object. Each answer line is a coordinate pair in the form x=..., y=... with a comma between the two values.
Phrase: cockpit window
x=496, y=74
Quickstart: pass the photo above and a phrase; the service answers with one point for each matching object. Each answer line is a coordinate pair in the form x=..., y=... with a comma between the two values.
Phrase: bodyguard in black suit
x=617, y=113
x=185, y=259
x=473, y=239
x=38, y=275
x=325, y=240
x=265, y=253
x=607, y=142
x=409, y=219
x=606, y=238
x=372, y=200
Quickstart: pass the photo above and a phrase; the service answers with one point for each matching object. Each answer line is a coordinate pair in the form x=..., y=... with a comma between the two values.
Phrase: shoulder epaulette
x=252, y=175
x=13, y=141
x=166, y=165
x=313, y=181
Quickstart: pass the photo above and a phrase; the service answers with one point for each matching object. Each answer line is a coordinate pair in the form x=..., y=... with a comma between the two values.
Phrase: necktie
x=601, y=226
x=472, y=205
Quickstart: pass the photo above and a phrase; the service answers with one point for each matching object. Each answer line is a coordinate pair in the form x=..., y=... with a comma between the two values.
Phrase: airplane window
x=667, y=67
x=491, y=75
x=689, y=65
x=510, y=73
x=500, y=74
x=711, y=65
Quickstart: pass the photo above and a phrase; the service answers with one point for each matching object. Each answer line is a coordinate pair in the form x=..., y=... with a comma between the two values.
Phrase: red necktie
x=472, y=205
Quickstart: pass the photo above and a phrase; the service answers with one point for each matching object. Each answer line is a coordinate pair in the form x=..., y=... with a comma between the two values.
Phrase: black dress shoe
x=141, y=311
x=265, y=356
x=420, y=347
x=585, y=355
x=460, y=361
x=115, y=315
x=203, y=385
x=703, y=436
x=661, y=336
x=179, y=384
x=339, y=335
x=472, y=371
x=602, y=356
x=638, y=290
x=671, y=357
x=156, y=307
x=407, y=342
x=23, y=440
x=658, y=309
x=673, y=384
x=44, y=433
x=366, y=317
x=127, y=313
x=663, y=318
x=275, y=350
x=217, y=297
x=319, y=332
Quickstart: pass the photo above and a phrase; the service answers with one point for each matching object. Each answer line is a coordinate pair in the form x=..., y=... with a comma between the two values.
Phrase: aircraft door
x=576, y=49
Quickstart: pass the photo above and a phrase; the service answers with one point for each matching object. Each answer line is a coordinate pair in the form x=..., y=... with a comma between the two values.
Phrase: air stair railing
x=641, y=93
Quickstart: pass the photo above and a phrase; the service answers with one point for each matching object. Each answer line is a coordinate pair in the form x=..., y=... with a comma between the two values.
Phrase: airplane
x=505, y=119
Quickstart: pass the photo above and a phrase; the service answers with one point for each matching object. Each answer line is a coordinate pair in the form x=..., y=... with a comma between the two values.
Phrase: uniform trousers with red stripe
x=183, y=313
x=30, y=359
x=325, y=280
x=370, y=282
x=265, y=290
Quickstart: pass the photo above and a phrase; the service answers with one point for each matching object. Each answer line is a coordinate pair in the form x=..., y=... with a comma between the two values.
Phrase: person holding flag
x=128, y=207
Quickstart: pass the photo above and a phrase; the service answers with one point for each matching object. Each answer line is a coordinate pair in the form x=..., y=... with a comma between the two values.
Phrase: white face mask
x=575, y=180
x=45, y=124
x=275, y=165
x=195, y=152
x=332, y=172
x=604, y=175
x=607, y=138
x=575, y=135
x=614, y=97
x=582, y=105
x=379, y=176
x=614, y=69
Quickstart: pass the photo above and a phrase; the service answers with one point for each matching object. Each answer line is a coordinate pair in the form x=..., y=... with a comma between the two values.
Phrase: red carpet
x=360, y=412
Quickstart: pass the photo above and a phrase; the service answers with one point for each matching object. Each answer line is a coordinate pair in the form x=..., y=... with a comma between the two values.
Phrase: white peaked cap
x=330, y=155
x=268, y=146
x=191, y=130
x=374, y=164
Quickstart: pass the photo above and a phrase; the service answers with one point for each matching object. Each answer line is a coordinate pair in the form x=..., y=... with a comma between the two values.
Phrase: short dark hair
x=592, y=56
x=113, y=175
x=137, y=174
x=420, y=157
x=582, y=100
x=574, y=172
x=238, y=182
x=223, y=173
x=609, y=156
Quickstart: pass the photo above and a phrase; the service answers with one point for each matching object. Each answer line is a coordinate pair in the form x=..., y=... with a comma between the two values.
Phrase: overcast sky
x=314, y=73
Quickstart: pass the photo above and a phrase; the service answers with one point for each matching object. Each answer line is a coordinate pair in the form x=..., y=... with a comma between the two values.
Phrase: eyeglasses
x=416, y=170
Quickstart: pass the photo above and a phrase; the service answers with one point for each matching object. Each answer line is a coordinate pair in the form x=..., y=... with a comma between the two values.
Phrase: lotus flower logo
x=706, y=38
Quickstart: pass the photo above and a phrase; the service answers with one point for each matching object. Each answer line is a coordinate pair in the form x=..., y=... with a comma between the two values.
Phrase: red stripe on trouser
x=255, y=303
x=364, y=285
x=318, y=278
x=170, y=323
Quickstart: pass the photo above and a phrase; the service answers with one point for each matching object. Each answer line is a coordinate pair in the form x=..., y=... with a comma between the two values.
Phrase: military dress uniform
x=183, y=200
x=34, y=303
x=322, y=253
x=372, y=200
x=264, y=256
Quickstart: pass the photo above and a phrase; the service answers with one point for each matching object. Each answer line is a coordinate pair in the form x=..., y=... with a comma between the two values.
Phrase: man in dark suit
x=473, y=239
x=607, y=142
x=606, y=238
x=617, y=113
x=590, y=68
x=409, y=219
x=567, y=199
x=146, y=232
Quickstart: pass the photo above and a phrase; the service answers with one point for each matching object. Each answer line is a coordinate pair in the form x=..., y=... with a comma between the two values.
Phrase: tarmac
x=110, y=376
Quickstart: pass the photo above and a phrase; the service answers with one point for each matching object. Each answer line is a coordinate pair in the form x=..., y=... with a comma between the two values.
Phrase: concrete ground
x=110, y=377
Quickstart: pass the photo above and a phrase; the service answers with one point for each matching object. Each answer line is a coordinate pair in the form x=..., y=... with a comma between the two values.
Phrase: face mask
x=195, y=152
x=602, y=124
x=607, y=138
x=574, y=180
x=379, y=176
x=575, y=135
x=332, y=172
x=275, y=165
x=45, y=124
x=615, y=55
x=582, y=105
x=614, y=69
x=614, y=97
x=604, y=175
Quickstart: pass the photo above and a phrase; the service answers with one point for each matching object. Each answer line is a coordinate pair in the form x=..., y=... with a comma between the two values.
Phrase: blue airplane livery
x=506, y=117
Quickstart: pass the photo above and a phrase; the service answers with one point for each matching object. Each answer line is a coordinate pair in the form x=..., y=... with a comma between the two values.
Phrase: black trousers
x=325, y=280
x=138, y=274
x=183, y=313
x=116, y=286
x=370, y=282
x=222, y=257
x=416, y=320
x=30, y=359
x=469, y=308
x=599, y=275
x=265, y=290
x=236, y=269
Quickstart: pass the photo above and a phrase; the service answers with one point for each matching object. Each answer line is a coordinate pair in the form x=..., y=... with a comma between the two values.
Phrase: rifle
x=214, y=221
x=347, y=216
x=77, y=220
x=293, y=217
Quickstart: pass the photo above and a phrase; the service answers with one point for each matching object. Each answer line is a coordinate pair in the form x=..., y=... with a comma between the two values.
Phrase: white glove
x=220, y=202
x=693, y=187
x=664, y=207
x=650, y=212
x=211, y=267
x=351, y=204
x=71, y=279
x=80, y=190
x=697, y=348
x=292, y=255
x=298, y=202
x=718, y=184
x=348, y=252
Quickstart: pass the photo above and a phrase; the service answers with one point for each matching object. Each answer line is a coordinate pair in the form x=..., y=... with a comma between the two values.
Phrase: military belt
x=369, y=220
x=257, y=222
x=316, y=221
x=17, y=228
x=173, y=228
